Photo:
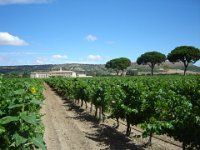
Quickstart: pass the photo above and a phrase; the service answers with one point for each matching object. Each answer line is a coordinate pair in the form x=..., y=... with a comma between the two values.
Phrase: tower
x=60, y=69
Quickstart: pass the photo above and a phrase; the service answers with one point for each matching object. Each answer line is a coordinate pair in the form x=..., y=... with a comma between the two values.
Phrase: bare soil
x=70, y=127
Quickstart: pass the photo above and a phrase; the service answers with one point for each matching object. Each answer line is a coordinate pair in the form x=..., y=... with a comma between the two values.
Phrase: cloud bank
x=8, y=39
x=91, y=38
x=8, y=2
x=94, y=57
x=41, y=60
x=59, y=57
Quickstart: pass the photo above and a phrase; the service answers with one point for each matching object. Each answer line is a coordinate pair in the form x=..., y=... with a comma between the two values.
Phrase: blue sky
x=94, y=31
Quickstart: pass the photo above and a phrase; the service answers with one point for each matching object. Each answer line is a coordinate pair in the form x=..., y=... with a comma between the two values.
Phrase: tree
x=12, y=75
x=151, y=59
x=132, y=72
x=185, y=54
x=118, y=64
x=26, y=75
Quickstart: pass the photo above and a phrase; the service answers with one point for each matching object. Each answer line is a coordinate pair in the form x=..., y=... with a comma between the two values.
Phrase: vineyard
x=20, y=119
x=158, y=105
x=165, y=105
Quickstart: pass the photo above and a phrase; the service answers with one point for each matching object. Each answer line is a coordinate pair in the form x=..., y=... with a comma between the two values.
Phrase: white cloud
x=7, y=2
x=38, y=61
x=91, y=38
x=8, y=39
x=41, y=60
x=94, y=57
x=59, y=57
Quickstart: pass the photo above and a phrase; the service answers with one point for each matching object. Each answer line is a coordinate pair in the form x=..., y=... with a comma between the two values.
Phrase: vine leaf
x=38, y=141
x=2, y=130
x=29, y=118
x=19, y=139
x=8, y=119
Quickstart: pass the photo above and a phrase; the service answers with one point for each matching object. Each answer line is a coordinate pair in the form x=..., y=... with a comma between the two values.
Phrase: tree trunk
x=117, y=118
x=96, y=109
x=128, y=130
x=152, y=67
x=91, y=106
x=100, y=113
x=184, y=146
x=150, y=140
x=85, y=104
x=117, y=71
x=103, y=115
x=81, y=103
x=185, y=69
x=124, y=72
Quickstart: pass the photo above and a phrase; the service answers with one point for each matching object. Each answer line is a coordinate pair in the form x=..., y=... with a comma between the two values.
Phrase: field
x=20, y=119
x=167, y=105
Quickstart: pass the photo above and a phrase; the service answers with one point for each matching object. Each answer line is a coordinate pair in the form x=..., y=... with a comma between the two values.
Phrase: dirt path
x=70, y=127
x=62, y=132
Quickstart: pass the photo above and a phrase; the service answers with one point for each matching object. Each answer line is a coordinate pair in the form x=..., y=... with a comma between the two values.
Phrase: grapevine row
x=159, y=105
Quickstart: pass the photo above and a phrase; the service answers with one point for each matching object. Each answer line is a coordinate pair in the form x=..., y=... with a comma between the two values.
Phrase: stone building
x=49, y=74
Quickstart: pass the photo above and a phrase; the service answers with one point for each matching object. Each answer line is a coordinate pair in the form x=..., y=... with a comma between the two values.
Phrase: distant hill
x=167, y=65
x=50, y=67
x=92, y=69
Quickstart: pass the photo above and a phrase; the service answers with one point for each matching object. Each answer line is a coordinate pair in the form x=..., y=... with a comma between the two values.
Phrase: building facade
x=49, y=74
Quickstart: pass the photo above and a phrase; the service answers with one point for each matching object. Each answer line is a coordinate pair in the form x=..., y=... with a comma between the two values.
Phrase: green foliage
x=161, y=105
x=20, y=120
x=26, y=75
x=118, y=64
x=151, y=59
x=12, y=75
x=132, y=72
x=185, y=54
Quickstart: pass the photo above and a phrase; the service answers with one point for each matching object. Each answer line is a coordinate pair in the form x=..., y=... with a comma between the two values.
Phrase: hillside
x=92, y=69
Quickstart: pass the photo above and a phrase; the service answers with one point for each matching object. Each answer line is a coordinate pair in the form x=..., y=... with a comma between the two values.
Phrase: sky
x=94, y=31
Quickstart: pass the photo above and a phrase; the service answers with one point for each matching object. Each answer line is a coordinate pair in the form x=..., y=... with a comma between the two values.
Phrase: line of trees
x=16, y=75
x=184, y=54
